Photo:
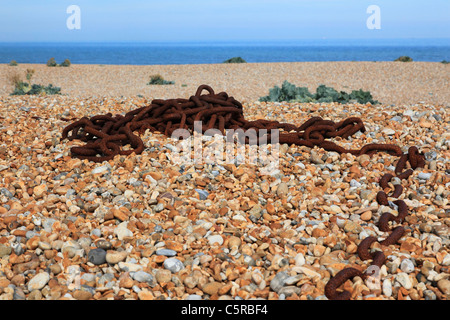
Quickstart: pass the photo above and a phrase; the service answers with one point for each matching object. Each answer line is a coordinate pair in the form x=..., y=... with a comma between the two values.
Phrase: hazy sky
x=221, y=20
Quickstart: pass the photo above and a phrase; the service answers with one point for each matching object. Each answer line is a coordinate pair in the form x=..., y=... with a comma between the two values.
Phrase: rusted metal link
x=338, y=280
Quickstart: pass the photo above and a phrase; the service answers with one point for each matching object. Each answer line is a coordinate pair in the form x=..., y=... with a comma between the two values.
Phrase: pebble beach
x=141, y=227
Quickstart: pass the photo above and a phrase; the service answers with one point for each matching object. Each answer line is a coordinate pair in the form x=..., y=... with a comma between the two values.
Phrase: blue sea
x=163, y=53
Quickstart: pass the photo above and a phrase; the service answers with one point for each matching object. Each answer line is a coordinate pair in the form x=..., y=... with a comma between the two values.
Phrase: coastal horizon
x=195, y=52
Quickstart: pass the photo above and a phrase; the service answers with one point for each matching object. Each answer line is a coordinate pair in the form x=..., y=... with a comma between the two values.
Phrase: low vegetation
x=13, y=63
x=291, y=93
x=52, y=63
x=235, y=60
x=404, y=59
x=65, y=63
x=27, y=88
x=157, y=79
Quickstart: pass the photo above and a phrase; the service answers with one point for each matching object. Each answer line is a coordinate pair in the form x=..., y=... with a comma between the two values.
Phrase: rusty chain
x=106, y=135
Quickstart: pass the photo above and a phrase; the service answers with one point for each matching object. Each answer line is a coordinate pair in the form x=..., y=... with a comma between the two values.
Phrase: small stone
x=308, y=272
x=142, y=276
x=278, y=281
x=404, y=280
x=211, y=288
x=299, y=259
x=364, y=159
x=163, y=275
x=43, y=245
x=4, y=250
x=388, y=131
x=166, y=252
x=444, y=286
x=234, y=241
x=97, y=256
x=103, y=244
x=6, y=193
x=38, y=281
x=55, y=268
x=282, y=189
x=407, y=266
x=203, y=194
x=100, y=169
x=82, y=295
x=215, y=239
x=352, y=227
x=446, y=260
x=316, y=158
x=122, y=231
x=429, y=295
x=39, y=190
x=366, y=216
x=424, y=175
x=289, y=290
x=173, y=264
x=114, y=257
x=387, y=287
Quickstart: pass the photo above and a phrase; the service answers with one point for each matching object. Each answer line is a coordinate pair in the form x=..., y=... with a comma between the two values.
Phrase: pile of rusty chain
x=106, y=135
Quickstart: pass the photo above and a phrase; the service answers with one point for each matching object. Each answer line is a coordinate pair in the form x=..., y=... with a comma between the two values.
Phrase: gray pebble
x=203, y=194
x=142, y=276
x=424, y=175
x=97, y=256
x=429, y=295
x=355, y=184
x=166, y=252
x=6, y=193
x=432, y=155
x=278, y=281
x=159, y=207
x=173, y=264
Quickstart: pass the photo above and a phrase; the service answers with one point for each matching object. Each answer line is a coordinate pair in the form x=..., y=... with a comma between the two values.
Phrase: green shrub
x=65, y=63
x=291, y=93
x=404, y=59
x=13, y=63
x=158, y=80
x=235, y=60
x=23, y=88
x=445, y=62
x=51, y=62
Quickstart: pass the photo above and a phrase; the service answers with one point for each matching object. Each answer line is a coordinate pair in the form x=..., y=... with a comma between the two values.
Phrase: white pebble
x=407, y=266
x=387, y=287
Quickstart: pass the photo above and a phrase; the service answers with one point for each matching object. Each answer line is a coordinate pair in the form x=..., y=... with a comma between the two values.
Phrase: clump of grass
x=13, y=63
x=65, y=63
x=51, y=62
x=26, y=88
x=157, y=79
x=404, y=59
x=291, y=93
x=235, y=60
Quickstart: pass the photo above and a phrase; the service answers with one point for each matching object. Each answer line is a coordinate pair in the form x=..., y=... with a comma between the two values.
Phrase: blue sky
x=221, y=20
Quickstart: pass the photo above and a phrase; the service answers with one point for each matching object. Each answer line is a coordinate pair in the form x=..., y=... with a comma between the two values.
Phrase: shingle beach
x=144, y=227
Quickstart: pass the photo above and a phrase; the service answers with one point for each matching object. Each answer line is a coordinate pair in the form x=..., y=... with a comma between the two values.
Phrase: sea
x=210, y=52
